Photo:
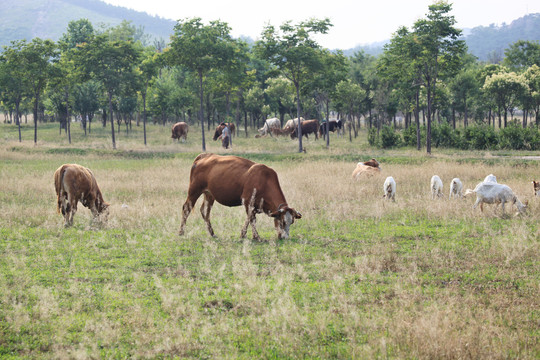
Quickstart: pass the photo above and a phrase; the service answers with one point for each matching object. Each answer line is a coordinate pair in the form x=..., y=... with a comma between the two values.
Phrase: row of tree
x=204, y=75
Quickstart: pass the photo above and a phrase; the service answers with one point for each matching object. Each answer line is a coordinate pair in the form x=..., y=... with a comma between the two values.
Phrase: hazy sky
x=356, y=22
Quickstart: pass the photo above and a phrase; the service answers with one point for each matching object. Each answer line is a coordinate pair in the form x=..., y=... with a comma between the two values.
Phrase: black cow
x=333, y=125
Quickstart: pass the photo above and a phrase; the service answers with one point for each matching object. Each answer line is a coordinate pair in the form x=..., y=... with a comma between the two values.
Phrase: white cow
x=456, y=188
x=292, y=124
x=389, y=189
x=436, y=186
x=490, y=178
x=269, y=124
x=493, y=193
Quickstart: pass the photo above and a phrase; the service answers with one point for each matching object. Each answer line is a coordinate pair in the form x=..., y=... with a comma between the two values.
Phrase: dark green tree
x=201, y=48
x=294, y=53
x=441, y=52
x=110, y=62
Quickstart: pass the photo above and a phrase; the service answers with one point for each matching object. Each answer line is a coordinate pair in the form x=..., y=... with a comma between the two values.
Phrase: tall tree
x=36, y=57
x=147, y=72
x=201, y=48
x=294, y=53
x=441, y=51
x=506, y=88
x=110, y=62
x=13, y=78
x=522, y=54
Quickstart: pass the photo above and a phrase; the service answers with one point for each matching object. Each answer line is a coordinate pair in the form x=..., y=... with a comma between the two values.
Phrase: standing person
x=225, y=136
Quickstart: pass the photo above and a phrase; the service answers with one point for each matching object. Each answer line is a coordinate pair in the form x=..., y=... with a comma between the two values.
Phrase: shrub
x=515, y=137
x=479, y=137
x=389, y=137
x=445, y=136
x=373, y=139
x=409, y=135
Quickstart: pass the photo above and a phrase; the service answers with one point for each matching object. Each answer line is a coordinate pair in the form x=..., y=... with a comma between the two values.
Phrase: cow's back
x=222, y=176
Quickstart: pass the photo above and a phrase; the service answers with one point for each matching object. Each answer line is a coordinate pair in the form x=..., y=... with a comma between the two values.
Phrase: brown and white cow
x=180, y=130
x=220, y=127
x=74, y=183
x=308, y=127
x=234, y=181
x=367, y=168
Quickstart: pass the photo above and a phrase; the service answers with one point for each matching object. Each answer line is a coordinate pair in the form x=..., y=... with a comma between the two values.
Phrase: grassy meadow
x=360, y=277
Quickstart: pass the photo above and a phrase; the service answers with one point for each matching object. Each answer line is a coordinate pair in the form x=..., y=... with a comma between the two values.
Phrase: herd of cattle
x=272, y=127
x=234, y=181
x=489, y=191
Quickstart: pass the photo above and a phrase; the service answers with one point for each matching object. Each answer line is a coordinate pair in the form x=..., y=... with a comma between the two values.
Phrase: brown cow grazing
x=74, y=183
x=234, y=181
x=220, y=127
x=180, y=130
x=308, y=127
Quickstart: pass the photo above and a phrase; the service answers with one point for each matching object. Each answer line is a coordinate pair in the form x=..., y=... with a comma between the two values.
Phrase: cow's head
x=102, y=208
x=283, y=218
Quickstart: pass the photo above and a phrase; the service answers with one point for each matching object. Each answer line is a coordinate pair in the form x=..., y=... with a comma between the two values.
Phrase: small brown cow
x=234, y=181
x=308, y=127
x=180, y=131
x=220, y=127
x=74, y=183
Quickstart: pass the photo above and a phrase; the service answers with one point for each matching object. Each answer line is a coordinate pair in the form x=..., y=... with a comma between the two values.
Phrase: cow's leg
x=188, y=206
x=206, y=207
x=66, y=209
x=72, y=205
x=251, y=219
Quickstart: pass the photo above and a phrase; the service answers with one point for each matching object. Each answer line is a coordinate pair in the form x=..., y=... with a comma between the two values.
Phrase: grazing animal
x=490, y=178
x=369, y=168
x=269, y=125
x=436, y=186
x=235, y=181
x=220, y=127
x=536, y=188
x=308, y=127
x=180, y=130
x=494, y=193
x=291, y=124
x=280, y=132
x=333, y=125
x=389, y=188
x=456, y=188
x=74, y=183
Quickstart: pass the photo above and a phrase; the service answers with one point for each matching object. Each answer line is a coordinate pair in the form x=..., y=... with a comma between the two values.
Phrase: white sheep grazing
x=490, y=178
x=389, y=189
x=456, y=188
x=493, y=193
x=436, y=186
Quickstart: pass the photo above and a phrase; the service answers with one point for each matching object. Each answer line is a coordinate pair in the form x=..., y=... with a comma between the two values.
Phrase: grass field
x=359, y=278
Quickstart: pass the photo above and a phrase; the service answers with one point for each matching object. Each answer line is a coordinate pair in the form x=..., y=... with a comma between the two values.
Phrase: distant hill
x=48, y=19
x=482, y=41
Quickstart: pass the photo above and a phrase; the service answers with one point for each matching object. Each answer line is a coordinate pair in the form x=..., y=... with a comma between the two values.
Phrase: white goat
x=436, y=186
x=456, y=188
x=389, y=189
x=493, y=193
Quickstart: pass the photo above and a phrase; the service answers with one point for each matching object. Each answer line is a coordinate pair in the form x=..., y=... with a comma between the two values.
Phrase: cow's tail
x=59, y=187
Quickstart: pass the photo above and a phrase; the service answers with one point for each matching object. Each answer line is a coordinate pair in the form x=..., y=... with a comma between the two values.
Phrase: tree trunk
x=144, y=113
x=17, y=119
x=417, y=120
x=112, y=121
x=299, y=131
x=327, y=125
x=202, y=110
x=36, y=103
x=428, y=131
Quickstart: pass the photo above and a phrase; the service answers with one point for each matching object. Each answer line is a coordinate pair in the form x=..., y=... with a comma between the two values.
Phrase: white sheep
x=436, y=187
x=456, y=188
x=389, y=188
x=493, y=193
